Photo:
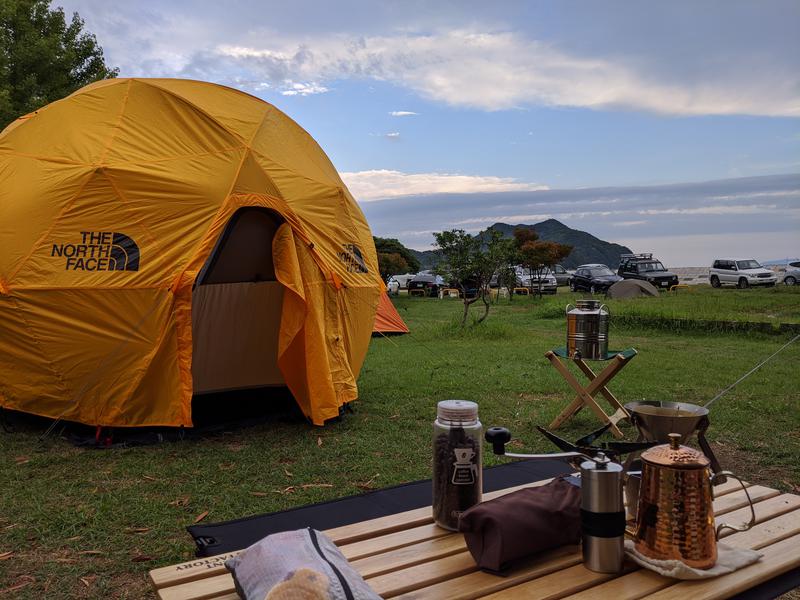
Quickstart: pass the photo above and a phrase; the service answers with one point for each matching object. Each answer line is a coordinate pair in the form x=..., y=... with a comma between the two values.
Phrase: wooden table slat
x=556, y=585
x=478, y=583
x=199, y=589
x=391, y=541
x=410, y=556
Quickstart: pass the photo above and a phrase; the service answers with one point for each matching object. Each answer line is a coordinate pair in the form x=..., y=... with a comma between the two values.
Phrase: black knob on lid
x=498, y=437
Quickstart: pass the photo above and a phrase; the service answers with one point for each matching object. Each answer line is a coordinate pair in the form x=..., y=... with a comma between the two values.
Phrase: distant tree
x=499, y=259
x=537, y=256
x=389, y=246
x=469, y=262
x=391, y=264
x=461, y=254
x=42, y=57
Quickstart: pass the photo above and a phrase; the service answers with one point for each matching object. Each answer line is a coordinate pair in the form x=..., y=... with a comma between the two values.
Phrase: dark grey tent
x=631, y=288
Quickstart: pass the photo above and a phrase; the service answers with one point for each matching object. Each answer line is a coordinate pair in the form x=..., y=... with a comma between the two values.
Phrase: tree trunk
x=466, y=306
x=485, y=306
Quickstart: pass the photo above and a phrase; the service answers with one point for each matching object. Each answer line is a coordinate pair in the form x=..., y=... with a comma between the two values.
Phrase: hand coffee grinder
x=602, y=508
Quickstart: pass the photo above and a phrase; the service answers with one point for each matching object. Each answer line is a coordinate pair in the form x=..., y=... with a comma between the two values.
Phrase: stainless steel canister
x=587, y=330
x=602, y=515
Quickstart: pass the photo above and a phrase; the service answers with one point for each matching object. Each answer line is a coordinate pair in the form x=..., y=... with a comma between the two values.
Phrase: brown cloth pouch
x=522, y=523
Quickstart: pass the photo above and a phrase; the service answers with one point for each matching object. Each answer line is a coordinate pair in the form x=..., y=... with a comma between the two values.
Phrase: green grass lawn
x=88, y=524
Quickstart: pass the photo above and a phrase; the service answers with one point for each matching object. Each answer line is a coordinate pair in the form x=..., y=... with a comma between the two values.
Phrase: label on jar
x=465, y=471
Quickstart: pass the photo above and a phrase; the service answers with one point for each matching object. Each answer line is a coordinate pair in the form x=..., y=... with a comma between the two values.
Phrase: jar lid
x=457, y=411
x=674, y=455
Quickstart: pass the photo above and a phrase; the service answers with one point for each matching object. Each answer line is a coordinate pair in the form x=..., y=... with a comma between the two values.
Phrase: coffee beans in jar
x=457, y=461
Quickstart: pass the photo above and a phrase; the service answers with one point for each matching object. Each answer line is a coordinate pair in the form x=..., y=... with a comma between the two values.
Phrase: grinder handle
x=743, y=526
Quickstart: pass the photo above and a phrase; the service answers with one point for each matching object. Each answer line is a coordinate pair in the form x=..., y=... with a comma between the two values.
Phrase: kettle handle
x=608, y=310
x=566, y=310
x=743, y=526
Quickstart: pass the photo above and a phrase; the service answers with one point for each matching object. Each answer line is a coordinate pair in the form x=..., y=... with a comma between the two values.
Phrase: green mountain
x=586, y=248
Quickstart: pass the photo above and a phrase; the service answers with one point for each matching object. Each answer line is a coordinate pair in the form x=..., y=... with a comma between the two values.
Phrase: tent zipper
x=347, y=591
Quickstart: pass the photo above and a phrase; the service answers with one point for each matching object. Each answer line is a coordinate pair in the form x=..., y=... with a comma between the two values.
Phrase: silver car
x=792, y=275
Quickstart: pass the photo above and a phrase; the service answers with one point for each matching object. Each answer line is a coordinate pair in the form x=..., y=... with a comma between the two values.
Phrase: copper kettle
x=675, y=513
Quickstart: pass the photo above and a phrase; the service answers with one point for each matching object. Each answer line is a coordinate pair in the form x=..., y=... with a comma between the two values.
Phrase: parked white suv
x=741, y=272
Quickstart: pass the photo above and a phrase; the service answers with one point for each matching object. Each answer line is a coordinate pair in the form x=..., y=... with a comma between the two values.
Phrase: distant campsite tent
x=387, y=319
x=632, y=288
x=160, y=238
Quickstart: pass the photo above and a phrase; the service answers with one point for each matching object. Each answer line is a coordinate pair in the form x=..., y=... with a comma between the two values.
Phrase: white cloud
x=628, y=223
x=403, y=113
x=739, y=209
x=502, y=70
x=380, y=184
x=393, y=134
x=769, y=194
x=303, y=89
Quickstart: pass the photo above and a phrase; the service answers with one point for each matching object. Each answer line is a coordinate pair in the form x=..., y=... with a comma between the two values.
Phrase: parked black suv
x=646, y=268
x=593, y=278
x=428, y=283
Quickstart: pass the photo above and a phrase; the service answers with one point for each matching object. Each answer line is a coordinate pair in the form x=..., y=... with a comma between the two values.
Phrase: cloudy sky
x=666, y=126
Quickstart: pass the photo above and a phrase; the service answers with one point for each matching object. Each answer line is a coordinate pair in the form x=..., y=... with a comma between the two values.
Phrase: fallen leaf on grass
x=182, y=501
x=226, y=466
x=74, y=538
x=137, y=529
x=11, y=526
x=259, y=494
x=288, y=472
x=21, y=460
x=90, y=552
x=6, y=555
x=141, y=558
x=367, y=485
x=88, y=581
x=791, y=486
x=319, y=441
x=149, y=478
x=293, y=488
x=397, y=416
x=26, y=581
x=201, y=516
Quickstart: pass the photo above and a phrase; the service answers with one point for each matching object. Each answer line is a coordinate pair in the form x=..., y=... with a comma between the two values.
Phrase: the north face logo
x=353, y=259
x=99, y=251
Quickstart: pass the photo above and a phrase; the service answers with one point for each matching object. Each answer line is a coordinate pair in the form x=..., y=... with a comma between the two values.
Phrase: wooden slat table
x=407, y=556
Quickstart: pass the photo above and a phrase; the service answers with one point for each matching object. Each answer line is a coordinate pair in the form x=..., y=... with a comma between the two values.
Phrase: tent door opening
x=236, y=308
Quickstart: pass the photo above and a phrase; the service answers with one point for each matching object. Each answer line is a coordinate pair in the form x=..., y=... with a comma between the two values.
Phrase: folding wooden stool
x=597, y=384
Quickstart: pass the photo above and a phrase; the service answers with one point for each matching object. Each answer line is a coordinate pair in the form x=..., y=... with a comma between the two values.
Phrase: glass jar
x=457, y=461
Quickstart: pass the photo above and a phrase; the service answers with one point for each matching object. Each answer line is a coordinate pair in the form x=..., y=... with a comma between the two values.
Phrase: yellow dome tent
x=149, y=223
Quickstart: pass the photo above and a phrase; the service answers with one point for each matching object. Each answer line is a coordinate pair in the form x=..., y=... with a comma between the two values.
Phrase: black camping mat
x=218, y=538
